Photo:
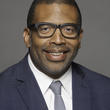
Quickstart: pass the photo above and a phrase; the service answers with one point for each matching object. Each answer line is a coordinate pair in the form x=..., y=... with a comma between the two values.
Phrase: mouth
x=56, y=55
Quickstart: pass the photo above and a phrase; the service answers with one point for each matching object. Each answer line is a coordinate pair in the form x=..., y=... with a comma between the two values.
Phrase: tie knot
x=56, y=87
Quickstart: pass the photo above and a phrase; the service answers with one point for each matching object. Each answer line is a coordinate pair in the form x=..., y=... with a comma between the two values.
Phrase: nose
x=57, y=38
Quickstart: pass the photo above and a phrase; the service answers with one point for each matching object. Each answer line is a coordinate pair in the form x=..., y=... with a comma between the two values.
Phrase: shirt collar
x=66, y=81
x=44, y=81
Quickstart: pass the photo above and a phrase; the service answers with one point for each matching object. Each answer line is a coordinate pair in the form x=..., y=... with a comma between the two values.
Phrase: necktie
x=58, y=102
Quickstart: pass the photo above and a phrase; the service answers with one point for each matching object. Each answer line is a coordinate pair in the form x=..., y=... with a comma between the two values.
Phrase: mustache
x=56, y=48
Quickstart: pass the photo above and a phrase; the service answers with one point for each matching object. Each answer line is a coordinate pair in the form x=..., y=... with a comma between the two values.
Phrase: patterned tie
x=58, y=102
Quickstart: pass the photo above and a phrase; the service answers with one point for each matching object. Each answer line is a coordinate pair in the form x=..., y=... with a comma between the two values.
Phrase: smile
x=55, y=56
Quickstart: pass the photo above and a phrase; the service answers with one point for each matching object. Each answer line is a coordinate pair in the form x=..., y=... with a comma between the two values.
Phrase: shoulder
x=12, y=71
x=96, y=81
x=98, y=86
x=7, y=76
x=92, y=75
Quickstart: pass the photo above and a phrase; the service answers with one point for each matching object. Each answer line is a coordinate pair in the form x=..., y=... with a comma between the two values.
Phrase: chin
x=55, y=75
x=55, y=72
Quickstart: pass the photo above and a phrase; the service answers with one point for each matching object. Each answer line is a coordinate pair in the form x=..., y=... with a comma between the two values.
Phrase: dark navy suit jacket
x=19, y=89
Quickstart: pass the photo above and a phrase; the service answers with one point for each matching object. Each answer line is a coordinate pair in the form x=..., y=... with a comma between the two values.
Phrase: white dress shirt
x=44, y=82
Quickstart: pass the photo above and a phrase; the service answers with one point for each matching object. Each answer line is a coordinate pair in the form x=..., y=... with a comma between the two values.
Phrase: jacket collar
x=32, y=96
x=81, y=91
x=28, y=87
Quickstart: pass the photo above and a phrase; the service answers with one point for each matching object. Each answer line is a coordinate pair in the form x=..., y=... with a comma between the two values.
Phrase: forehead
x=55, y=13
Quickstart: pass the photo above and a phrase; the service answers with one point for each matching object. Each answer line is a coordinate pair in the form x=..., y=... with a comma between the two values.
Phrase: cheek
x=36, y=54
x=73, y=44
x=37, y=45
x=74, y=47
x=36, y=51
x=38, y=42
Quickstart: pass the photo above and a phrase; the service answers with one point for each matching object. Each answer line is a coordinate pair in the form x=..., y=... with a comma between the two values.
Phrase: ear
x=27, y=37
x=80, y=37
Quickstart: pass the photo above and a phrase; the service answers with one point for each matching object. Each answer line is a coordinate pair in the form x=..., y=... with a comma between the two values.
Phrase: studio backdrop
x=95, y=46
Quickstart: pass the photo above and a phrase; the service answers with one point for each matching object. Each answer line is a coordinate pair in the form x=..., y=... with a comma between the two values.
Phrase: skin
x=53, y=66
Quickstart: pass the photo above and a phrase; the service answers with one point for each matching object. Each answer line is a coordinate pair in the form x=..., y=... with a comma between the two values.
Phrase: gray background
x=95, y=51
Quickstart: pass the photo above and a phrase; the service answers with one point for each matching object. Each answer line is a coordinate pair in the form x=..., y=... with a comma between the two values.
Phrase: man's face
x=53, y=55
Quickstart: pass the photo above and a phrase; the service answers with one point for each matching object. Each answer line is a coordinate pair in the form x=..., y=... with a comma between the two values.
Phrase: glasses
x=46, y=30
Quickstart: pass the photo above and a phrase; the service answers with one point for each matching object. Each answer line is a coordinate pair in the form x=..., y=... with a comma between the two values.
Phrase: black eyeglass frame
x=59, y=26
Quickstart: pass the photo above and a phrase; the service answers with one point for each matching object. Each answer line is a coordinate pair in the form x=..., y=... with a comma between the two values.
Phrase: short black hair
x=30, y=16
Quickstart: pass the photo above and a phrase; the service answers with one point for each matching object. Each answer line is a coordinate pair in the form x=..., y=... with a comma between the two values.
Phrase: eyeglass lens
x=47, y=30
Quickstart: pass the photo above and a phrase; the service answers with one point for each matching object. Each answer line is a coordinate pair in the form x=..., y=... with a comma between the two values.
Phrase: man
x=53, y=36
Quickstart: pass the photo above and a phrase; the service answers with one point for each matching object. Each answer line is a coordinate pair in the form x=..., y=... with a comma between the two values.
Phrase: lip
x=56, y=55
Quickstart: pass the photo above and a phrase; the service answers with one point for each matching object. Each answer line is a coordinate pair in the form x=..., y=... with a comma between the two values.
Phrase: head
x=53, y=35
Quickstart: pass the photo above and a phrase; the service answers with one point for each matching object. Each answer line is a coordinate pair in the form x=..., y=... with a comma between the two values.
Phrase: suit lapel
x=32, y=96
x=29, y=89
x=81, y=91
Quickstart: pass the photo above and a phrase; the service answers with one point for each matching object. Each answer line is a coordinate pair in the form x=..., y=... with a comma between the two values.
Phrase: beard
x=49, y=69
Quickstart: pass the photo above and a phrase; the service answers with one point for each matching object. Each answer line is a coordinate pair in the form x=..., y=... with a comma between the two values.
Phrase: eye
x=44, y=29
x=69, y=29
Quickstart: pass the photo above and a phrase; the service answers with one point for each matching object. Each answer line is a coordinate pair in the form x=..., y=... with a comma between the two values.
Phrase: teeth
x=56, y=54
